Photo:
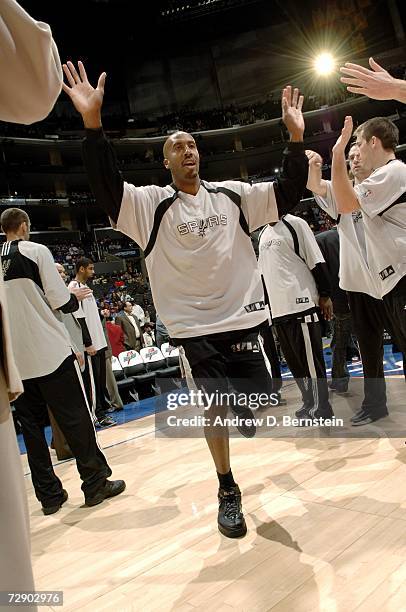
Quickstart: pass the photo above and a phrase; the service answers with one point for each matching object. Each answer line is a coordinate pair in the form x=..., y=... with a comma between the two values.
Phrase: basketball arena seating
x=147, y=372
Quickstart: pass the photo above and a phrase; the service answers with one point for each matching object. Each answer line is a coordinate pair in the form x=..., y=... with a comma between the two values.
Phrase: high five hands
x=86, y=99
x=292, y=115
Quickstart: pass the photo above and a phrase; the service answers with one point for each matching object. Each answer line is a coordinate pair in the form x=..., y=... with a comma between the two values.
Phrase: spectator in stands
x=149, y=336
x=85, y=272
x=133, y=339
x=47, y=366
x=138, y=312
x=114, y=395
x=115, y=334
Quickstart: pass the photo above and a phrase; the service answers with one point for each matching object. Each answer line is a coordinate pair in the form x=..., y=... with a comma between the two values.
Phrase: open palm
x=86, y=99
x=292, y=115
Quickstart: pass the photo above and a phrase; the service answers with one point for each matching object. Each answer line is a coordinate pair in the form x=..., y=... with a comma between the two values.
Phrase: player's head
x=16, y=223
x=85, y=268
x=61, y=271
x=359, y=170
x=181, y=157
x=375, y=137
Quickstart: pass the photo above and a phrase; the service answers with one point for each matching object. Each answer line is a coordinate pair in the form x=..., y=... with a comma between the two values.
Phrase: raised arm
x=291, y=183
x=31, y=73
x=105, y=179
x=344, y=192
x=315, y=182
x=377, y=83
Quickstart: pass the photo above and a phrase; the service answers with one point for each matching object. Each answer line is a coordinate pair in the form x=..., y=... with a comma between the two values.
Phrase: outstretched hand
x=86, y=99
x=292, y=115
x=345, y=136
x=377, y=83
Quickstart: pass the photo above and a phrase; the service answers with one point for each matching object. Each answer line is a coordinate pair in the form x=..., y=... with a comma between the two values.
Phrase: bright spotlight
x=324, y=64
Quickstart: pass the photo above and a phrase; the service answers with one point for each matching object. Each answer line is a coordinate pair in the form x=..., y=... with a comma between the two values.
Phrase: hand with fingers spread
x=344, y=138
x=292, y=115
x=377, y=83
x=86, y=99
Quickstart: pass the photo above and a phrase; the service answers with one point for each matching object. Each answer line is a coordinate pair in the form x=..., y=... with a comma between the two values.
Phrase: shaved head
x=181, y=158
x=168, y=144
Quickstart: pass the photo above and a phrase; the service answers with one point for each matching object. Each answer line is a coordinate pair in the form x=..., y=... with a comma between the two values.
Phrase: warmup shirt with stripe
x=201, y=264
x=382, y=197
x=90, y=313
x=373, y=239
x=295, y=275
x=355, y=274
x=293, y=268
x=35, y=292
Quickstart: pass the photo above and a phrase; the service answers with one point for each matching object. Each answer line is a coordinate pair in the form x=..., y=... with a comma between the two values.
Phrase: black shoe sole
x=230, y=533
x=99, y=500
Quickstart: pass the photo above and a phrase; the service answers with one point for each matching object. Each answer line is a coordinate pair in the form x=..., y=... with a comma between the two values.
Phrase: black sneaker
x=231, y=522
x=111, y=488
x=325, y=412
x=338, y=386
x=364, y=414
x=303, y=412
x=368, y=418
x=52, y=509
x=248, y=430
x=106, y=421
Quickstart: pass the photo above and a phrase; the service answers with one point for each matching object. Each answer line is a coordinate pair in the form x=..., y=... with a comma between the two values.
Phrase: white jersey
x=288, y=251
x=34, y=291
x=88, y=309
x=355, y=274
x=201, y=264
x=382, y=197
x=373, y=240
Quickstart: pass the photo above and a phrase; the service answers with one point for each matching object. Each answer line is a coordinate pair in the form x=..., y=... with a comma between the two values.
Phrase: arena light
x=324, y=64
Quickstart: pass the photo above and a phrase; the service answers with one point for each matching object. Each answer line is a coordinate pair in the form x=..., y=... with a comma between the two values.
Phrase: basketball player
x=297, y=284
x=47, y=365
x=200, y=260
x=359, y=272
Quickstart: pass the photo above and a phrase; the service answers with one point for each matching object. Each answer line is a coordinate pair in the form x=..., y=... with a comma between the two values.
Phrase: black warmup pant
x=302, y=345
x=62, y=392
x=370, y=317
x=100, y=383
x=339, y=345
x=273, y=358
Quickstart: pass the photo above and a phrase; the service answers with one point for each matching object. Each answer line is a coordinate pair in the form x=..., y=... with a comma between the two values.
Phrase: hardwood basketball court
x=326, y=525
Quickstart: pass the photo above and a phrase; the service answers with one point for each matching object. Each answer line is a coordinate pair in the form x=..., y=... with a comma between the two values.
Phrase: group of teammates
x=202, y=268
x=205, y=278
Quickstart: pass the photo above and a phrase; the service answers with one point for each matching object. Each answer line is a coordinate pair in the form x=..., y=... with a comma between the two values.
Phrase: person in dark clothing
x=200, y=261
x=329, y=243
